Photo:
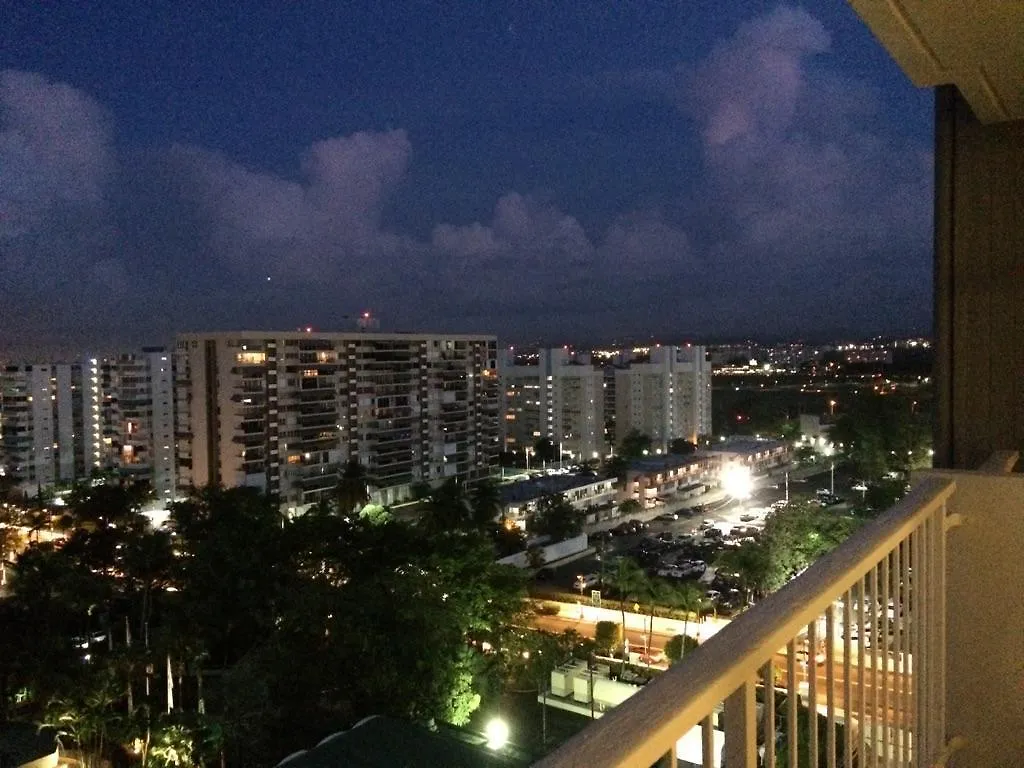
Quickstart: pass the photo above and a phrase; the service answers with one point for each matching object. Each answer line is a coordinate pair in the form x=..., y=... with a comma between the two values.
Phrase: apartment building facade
x=285, y=411
x=132, y=429
x=42, y=440
x=666, y=398
x=61, y=422
x=557, y=394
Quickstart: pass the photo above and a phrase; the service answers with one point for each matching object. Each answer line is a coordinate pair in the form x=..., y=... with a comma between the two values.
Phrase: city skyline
x=540, y=174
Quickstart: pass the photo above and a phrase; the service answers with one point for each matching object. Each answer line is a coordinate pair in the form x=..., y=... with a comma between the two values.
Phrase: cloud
x=296, y=229
x=803, y=198
x=798, y=192
x=534, y=259
x=55, y=160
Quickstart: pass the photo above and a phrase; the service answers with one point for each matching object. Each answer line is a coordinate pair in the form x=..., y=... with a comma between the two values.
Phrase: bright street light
x=737, y=482
x=496, y=733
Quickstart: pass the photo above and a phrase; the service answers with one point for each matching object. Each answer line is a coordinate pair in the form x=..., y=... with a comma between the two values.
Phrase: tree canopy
x=635, y=445
x=260, y=633
x=554, y=516
x=883, y=433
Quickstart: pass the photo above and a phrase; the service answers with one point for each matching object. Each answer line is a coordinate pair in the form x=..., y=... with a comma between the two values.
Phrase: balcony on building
x=917, y=620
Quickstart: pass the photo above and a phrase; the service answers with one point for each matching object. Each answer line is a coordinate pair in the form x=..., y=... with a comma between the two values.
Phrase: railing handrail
x=642, y=730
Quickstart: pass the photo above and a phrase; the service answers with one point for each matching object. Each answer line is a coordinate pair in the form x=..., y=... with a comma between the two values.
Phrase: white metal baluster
x=847, y=683
x=884, y=634
x=938, y=629
x=707, y=741
x=741, y=726
x=873, y=634
x=897, y=654
x=830, y=686
x=906, y=627
x=861, y=689
x=920, y=648
x=812, y=688
x=769, y=714
x=792, y=705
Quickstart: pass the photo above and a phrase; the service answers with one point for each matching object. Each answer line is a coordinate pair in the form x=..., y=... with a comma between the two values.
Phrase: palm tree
x=630, y=581
x=485, y=503
x=448, y=508
x=752, y=565
x=352, y=490
x=688, y=598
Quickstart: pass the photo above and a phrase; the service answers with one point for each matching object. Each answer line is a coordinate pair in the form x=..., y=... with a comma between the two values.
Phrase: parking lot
x=680, y=542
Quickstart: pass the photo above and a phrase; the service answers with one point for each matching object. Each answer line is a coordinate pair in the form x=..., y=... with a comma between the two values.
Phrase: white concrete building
x=666, y=398
x=41, y=425
x=60, y=422
x=134, y=431
x=284, y=411
x=585, y=492
x=557, y=394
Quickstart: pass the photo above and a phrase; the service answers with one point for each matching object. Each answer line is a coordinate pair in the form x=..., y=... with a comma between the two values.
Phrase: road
x=863, y=699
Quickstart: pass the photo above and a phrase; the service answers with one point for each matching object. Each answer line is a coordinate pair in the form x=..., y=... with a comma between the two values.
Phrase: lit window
x=251, y=358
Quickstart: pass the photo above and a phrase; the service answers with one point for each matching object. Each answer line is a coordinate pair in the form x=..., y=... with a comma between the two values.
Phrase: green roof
x=383, y=742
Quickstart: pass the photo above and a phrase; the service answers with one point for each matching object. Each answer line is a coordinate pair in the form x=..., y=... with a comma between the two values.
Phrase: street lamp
x=496, y=733
x=736, y=481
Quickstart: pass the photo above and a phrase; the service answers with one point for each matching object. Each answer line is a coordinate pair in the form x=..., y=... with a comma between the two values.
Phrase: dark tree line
x=239, y=635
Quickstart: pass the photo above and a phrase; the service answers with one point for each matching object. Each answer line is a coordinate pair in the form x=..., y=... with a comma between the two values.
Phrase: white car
x=587, y=581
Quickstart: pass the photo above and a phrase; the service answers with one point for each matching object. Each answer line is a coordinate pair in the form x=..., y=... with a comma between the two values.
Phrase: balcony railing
x=859, y=640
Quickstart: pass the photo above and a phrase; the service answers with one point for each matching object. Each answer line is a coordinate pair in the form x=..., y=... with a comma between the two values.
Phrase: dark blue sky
x=563, y=171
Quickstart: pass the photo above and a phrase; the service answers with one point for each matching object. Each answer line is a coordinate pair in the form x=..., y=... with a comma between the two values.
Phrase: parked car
x=587, y=581
x=705, y=524
x=748, y=518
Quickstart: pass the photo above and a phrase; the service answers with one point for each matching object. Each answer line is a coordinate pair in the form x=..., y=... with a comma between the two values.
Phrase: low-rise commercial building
x=652, y=477
x=585, y=491
x=759, y=456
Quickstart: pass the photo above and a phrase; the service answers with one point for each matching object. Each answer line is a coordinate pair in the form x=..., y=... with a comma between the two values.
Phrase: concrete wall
x=550, y=552
x=49, y=761
x=979, y=284
x=985, y=619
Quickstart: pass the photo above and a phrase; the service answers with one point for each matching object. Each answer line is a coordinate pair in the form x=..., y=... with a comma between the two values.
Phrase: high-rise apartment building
x=134, y=431
x=60, y=422
x=666, y=398
x=42, y=441
x=284, y=411
x=557, y=394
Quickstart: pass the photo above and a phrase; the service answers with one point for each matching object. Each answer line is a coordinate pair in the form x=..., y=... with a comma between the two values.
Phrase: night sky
x=554, y=171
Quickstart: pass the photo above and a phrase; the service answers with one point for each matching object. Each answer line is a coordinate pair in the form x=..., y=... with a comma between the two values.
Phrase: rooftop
x=666, y=462
x=544, y=485
x=383, y=742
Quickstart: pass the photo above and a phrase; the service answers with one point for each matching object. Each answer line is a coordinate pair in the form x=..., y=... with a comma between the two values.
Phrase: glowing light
x=737, y=482
x=496, y=733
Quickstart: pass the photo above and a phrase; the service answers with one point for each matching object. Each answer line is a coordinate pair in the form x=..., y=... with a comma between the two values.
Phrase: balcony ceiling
x=976, y=45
